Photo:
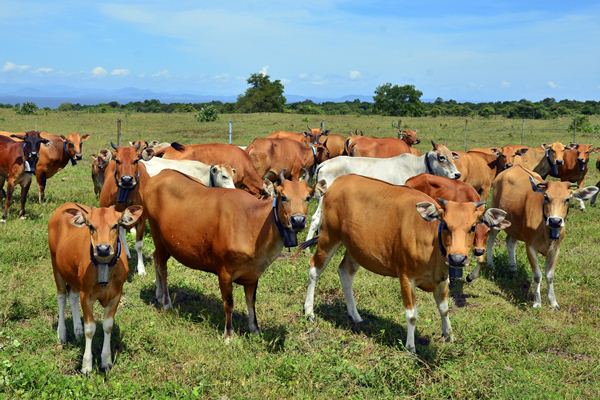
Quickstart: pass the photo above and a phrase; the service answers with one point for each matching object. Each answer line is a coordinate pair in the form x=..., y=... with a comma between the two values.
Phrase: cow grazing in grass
x=99, y=163
x=236, y=237
x=89, y=266
x=395, y=170
x=537, y=211
x=271, y=156
x=394, y=231
x=18, y=160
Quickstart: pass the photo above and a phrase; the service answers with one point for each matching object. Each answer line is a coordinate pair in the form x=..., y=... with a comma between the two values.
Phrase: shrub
x=207, y=113
x=27, y=108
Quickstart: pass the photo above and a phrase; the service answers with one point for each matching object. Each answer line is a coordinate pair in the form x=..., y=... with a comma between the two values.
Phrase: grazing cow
x=543, y=160
x=537, y=212
x=246, y=176
x=87, y=261
x=237, y=237
x=56, y=155
x=330, y=146
x=365, y=146
x=99, y=163
x=271, y=156
x=312, y=135
x=387, y=229
x=478, y=169
x=18, y=161
x=454, y=190
x=395, y=170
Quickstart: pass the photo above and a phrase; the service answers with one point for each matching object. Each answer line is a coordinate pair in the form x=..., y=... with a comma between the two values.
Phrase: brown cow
x=246, y=176
x=358, y=214
x=330, y=146
x=365, y=146
x=18, y=161
x=87, y=261
x=236, y=236
x=312, y=135
x=543, y=160
x=537, y=212
x=409, y=136
x=478, y=169
x=99, y=163
x=271, y=156
x=123, y=179
x=575, y=167
x=506, y=159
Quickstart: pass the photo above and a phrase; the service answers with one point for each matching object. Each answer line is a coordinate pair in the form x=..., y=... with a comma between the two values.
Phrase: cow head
x=409, y=136
x=103, y=225
x=583, y=153
x=126, y=165
x=31, y=148
x=321, y=150
x=554, y=198
x=555, y=154
x=440, y=161
x=293, y=197
x=100, y=161
x=221, y=175
x=75, y=144
x=493, y=218
x=507, y=154
x=313, y=134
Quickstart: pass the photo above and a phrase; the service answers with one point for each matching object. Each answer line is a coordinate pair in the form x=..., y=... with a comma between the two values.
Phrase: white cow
x=208, y=175
x=395, y=170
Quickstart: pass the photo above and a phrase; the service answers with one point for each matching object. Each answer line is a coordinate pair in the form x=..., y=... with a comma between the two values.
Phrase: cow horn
x=434, y=144
x=309, y=130
x=443, y=202
x=479, y=204
x=114, y=146
x=137, y=146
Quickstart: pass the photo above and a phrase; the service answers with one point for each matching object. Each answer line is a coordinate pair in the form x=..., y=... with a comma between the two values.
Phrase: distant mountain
x=54, y=95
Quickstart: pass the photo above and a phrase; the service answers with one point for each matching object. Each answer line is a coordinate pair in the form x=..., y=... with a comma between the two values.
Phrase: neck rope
x=288, y=235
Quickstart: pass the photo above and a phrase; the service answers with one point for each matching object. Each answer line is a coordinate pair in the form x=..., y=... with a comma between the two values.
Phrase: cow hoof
x=2, y=221
x=78, y=333
x=22, y=217
x=537, y=305
x=86, y=369
x=412, y=349
x=555, y=307
x=141, y=272
x=228, y=339
x=310, y=317
x=106, y=366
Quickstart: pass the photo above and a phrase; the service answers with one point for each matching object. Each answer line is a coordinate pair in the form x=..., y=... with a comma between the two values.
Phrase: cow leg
x=123, y=237
x=24, y=192
x=10, y=187
x=315, y=221
x=89, y=327
x=440, y=294
x=511, y=247
x=551, y=260
x=41, y=180
x=161, y=256
x=347, y=270
x=226, y=286
x=107, y=326
x=139, y=242
x=410, y=310
x=537, y=275
x=490, y=247
x=77, y=327
x=61, y=329
x=317, y=263
x=2, y=192
x=594, y=197
x=250, y=292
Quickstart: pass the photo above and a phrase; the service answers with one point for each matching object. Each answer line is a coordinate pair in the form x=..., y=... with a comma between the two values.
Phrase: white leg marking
x=106, y=358
x=313, y=277
x=440, y=295
x=251, y=317
x=537, y=276
x=511, y=246
x=123, y=237
x=141, y=269
x=490, y=247
x=315, y=221
x=75, y=311
x=90, y=330
x=411, y=321
x=550, y=264
x=346, y=279
x=61, y=329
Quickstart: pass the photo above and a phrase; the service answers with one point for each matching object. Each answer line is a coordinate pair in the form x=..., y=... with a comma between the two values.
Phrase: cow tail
x=177, y=146
x=347, y=147
x=308, y=243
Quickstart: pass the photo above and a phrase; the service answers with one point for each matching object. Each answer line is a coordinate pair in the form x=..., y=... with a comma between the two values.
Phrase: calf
x=575, y=167
x=537, y=212
x=396, y=170
x=18, y=161
x=236, y=238
x=87, y=261
x=99, y=163
x=388, y=230
x=271, y=156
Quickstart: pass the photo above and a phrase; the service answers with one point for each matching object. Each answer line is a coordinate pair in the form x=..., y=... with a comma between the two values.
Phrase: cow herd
x=230, y=210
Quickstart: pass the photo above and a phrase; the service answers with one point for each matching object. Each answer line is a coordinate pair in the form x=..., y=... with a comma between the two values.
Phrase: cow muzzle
x=417, y=141
x=555, y=224
x=559, y=162
x=103, y=250
x=457, y=175
x=298, y=222
x=79, y=156
x=507, y=165
x=127, y=181
x=478, y=251
x=457, y=260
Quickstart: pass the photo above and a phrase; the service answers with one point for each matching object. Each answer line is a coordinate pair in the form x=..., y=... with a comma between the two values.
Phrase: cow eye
x=442, y=158
x=91, y=228
x=117, y=161
x=473, y=228
x=307, y=198
x=546, y=198
x=283, y=198
x=115, y=226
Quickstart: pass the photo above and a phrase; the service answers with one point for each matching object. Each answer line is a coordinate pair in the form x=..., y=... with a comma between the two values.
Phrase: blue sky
x=467, y=50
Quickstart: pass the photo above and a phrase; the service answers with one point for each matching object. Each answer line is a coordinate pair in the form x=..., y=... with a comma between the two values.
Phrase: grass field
x=503, y=348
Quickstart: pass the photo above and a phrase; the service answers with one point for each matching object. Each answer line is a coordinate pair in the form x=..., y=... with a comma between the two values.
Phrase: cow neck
x=441, y=227
x=66, y=153
x=123, y=192
x=289, y=237
x=553, y=167
x=428, y=165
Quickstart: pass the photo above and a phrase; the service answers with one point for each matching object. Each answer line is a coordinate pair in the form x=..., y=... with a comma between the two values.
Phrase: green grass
x=503, y=347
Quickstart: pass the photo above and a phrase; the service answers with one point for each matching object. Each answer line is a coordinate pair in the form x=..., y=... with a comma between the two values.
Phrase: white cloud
x=43, y=70
x=99, y=72
x=264, y=70
x=505, y=84
x=302, y=76
x=11, y=66
x=163, y=73
x=355, y=74
x=552, y=84
x=120, y=72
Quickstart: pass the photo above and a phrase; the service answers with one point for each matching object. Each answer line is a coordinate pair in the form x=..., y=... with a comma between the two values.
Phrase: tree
x=262, y=95
x=27, y=108
x=398, y=100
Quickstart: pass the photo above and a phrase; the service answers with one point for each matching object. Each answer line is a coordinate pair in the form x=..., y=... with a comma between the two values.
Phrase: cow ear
x=233, y=172
x=18, y=136
x=130, y=216
x=428, y=211
x=496, y=218
x=76, y=217
x=537, y=186
x=148, y=153
x=520, y=152
x=64, y=138
x=269, y=188
x=85, y=137
x=585, y=193
x=455, y=155
x=572, y=146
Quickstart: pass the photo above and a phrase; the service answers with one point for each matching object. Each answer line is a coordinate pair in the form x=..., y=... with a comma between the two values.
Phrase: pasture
x=504, y=348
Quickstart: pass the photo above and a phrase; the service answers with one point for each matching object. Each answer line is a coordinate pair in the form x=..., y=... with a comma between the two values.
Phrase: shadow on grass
x=198, y=307
x=382, y=330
